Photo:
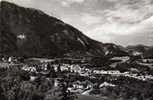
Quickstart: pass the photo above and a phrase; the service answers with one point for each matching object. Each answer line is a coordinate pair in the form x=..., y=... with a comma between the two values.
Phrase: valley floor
x=74, y=82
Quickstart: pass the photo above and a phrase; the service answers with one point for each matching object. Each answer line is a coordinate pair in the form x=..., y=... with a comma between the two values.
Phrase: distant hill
x=138, y=48
x=148, y=53
x=111, y=50
x=145, y=51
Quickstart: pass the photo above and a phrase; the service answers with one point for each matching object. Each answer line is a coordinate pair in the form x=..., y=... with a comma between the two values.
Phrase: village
x=81, y=78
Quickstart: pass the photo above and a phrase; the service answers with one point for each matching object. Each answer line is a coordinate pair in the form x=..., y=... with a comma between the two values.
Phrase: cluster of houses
x=9, y=59
x=81, y=87
x=84, y=87
x=126, y=74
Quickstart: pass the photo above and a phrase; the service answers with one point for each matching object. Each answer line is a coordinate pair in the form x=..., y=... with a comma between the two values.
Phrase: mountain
x=30, y=32
x=148, y=53
x=145, y=51
x=138, y=48
x=112, y=50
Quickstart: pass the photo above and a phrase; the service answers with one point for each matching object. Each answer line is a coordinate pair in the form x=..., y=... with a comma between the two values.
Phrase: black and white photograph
x=76, y=49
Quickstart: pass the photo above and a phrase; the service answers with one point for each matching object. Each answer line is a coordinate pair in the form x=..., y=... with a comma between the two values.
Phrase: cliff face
x=30, y=32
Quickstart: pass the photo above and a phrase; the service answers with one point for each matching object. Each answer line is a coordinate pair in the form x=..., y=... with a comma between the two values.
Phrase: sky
x=124, y=22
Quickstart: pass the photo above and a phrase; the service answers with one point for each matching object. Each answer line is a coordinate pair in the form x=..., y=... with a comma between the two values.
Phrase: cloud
x=78, y=1
x=89, y=19
x=67, y=3
x=113, y=29
x=129, y=20
x=146, y=25
x=103, y=38
x=112, y=0
x=130, y=12
x=139, y=33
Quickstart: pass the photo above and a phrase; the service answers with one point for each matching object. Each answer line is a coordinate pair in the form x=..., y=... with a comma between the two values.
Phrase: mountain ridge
x=38, y=34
